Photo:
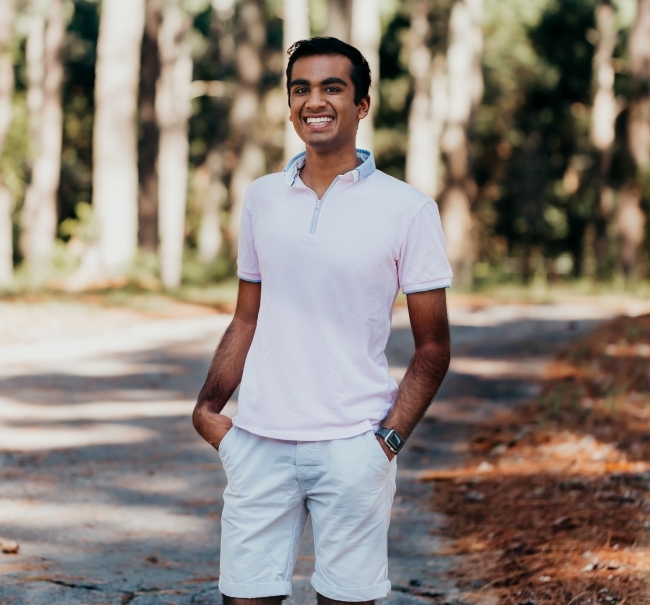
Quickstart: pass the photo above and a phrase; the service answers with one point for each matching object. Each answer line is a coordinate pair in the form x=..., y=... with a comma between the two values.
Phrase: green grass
x=215, y=285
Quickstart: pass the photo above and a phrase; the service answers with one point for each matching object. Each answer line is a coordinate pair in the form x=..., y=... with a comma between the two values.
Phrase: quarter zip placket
x=319, y=205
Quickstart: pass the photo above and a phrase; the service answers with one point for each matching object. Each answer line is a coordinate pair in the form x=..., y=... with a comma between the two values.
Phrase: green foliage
x=82, y=227
x=534, y=163
x=78, y=106
x=198, y=273
x=13, y=163
x=538, y=85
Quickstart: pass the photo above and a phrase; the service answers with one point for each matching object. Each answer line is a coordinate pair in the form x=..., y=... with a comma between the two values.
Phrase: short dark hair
x=323, y=45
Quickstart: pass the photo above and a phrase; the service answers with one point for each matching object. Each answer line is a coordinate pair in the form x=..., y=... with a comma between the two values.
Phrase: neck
x=322, y=167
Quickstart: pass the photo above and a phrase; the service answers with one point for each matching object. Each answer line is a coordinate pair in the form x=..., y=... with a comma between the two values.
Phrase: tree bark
x=427, y=113
x=149, y=140
x=639, y=122
x=173, y=109
x=35, y=64
x=366, y=36
x=295, y=27
x=39, y=215
x=212, y=194
x=631, y=219
x=7, y=16
x=115, y=163
x=339, y=19
x=631, y=226
x=604, y=110
x=250, y=42
x=603, y=122
x=465, y=89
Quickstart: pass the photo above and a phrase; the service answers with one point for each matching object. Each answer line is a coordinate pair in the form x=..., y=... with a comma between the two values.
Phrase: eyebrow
x=325, y=82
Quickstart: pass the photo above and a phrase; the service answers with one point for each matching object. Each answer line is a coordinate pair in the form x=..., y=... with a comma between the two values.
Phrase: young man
x=323, y=250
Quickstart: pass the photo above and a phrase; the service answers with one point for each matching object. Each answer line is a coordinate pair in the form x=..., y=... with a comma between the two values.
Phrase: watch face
x=394, y=441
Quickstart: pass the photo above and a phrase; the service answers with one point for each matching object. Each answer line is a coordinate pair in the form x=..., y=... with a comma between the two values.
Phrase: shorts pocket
x=224, y=441
x=377, y=450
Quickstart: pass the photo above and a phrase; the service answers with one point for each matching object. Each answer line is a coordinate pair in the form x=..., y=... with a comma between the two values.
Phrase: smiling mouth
x=319, y=122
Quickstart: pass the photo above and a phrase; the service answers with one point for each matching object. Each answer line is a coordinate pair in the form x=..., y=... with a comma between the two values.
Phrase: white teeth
x=318, y=120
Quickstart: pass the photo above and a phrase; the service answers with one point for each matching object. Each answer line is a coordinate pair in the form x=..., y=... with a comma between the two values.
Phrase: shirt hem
x=325, y=434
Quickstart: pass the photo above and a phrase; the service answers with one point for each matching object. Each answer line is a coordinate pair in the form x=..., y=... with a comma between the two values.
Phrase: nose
x=315, y=101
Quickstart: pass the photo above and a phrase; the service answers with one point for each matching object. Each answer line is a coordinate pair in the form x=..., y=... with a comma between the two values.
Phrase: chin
x=319, y=139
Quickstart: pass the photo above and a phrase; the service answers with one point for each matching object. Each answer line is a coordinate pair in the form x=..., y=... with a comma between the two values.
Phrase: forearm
x=227, y=366
x=419, y=386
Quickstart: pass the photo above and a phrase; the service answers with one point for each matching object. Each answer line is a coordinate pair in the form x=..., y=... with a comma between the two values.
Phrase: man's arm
x=227, y=366
x=428, y=366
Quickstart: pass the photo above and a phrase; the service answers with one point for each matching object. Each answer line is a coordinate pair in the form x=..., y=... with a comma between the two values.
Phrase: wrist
x=391, y=439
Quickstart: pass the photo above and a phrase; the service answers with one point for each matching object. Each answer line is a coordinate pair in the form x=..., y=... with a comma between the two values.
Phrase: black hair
x=322, y=45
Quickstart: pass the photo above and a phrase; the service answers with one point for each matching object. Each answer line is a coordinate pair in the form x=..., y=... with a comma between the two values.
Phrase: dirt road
x=115, y=500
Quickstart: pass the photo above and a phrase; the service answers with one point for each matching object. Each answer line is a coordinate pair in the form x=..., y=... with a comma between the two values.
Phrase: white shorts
x=347, y=485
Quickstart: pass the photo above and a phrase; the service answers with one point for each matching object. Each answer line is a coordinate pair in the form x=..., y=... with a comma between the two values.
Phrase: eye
x=332, y=89
x=301, y=90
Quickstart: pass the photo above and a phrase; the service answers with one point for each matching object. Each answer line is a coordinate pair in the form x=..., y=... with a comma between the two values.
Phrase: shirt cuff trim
x=254, y=278
x=427, y=285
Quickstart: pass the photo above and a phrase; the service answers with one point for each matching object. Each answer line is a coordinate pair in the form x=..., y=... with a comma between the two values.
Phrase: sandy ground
x=113, y=497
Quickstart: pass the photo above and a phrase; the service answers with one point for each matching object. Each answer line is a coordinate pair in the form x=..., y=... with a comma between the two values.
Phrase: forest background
x=130, y=129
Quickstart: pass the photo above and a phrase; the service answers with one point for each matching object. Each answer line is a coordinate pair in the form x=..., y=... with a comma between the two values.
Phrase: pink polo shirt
x=330, y=271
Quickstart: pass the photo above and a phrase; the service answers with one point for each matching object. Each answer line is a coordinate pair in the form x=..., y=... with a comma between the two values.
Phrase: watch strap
x=382, y=431
x=385, y=433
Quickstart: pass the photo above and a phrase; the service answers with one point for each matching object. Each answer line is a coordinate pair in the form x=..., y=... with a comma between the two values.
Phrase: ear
x=363, y=108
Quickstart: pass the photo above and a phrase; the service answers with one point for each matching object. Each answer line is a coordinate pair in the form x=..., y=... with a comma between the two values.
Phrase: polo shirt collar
x=360, y=172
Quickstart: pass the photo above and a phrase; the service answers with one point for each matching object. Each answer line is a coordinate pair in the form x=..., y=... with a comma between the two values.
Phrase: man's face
x=321, y=99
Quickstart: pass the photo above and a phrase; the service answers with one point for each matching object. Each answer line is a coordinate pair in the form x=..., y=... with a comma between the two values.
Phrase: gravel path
x=114, y=499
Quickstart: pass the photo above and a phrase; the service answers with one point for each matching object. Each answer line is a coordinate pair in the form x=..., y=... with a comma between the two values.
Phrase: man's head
x=359, y=74
x=327, y=87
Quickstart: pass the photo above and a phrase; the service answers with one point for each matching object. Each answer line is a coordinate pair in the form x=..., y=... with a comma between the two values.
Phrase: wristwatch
x=391, y=438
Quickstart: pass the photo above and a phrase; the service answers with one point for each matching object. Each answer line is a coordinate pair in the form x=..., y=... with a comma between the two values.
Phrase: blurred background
x=130, y=129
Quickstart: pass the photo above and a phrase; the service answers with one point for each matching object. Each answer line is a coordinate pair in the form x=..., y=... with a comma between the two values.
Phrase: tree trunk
x=115, y=146
x=339, y=19
x=366, y=36
x=149, y=140
x=35, y=64
x=631, y=220
x=250, y=42
x=465, y=83
x=603, y=122
x=212, y=195
x=639, y=122
x=295, y=27
x=173, y=109
x=7, y=16
x=39, y=216
x=604, y=110
x=631, y=226
x=427, y=113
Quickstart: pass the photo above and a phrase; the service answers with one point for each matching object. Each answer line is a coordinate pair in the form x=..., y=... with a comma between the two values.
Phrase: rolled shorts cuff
x=254, y=591
x=369, y=593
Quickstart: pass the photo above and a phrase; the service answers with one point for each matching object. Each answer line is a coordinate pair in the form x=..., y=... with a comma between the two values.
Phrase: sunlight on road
x=28, y=439
x=23, y=428
x=109, y=522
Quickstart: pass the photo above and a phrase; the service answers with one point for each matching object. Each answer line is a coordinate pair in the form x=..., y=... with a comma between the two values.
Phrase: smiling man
x=324, y=249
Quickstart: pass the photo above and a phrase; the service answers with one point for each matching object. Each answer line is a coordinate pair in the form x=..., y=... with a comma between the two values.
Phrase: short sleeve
x=423, y=263
x=248, y=266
